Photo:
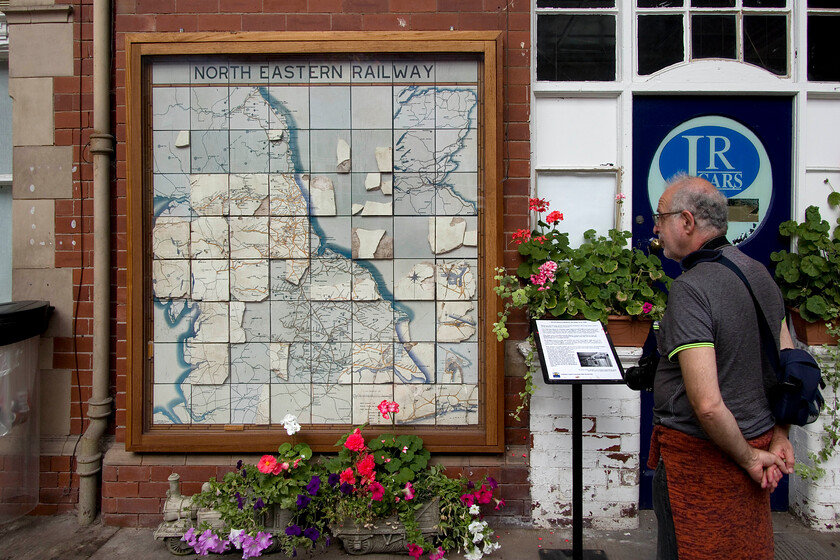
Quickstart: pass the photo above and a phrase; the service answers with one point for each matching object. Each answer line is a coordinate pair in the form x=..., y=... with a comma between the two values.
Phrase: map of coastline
x=314, y=252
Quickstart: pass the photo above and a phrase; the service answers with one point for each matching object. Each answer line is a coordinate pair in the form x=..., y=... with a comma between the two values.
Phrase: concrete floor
x=60, y=537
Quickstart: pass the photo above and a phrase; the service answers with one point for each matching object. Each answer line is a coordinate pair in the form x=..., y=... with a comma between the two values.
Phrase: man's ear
x=687, y=222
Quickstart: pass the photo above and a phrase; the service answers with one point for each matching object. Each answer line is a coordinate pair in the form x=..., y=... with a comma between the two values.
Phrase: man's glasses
x=657, y=218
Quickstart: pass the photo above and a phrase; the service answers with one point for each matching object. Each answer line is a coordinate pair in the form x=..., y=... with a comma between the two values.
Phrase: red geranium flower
x=537, y=204
x=554, y=217
x=355, y=441
x=266, y=464
x=520, y=236
x=366, y=465
x=347, y=476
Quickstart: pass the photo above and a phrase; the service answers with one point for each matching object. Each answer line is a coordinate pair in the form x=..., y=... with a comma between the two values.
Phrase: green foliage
x=405, y=480
x=830, y=416
x=602, y=277
x=242, y=497
x=810, y=277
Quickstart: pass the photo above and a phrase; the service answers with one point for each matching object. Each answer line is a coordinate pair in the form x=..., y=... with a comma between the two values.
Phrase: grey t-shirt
x=710, y=306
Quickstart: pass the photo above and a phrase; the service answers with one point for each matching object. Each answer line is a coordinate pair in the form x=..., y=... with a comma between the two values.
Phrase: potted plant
x=256, y=504
x=810, y=277
x=378, y=494
x=604, y=279
x=383, y=495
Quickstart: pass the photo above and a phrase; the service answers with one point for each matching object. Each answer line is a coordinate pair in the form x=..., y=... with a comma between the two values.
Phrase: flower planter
x=628, y=331
x=385, y=535
x=812, y=334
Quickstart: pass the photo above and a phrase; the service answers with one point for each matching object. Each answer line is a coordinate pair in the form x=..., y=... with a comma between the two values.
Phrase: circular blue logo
x=723, y=156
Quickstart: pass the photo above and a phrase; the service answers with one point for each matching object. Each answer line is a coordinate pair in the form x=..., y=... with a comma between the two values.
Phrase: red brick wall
x=132, y=494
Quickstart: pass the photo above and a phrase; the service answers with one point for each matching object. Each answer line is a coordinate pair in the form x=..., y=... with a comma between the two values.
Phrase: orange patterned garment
x=719, y=511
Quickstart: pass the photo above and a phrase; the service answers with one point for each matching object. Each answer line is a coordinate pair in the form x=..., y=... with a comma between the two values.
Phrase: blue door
x=742, y=145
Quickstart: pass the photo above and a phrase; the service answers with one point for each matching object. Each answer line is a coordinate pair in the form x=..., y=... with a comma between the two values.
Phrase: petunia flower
x=437, y=554
x=468, y=499
x=647, y=307
x=499, y=503
x=314, y=485
x=483, y=495
x=293, y=531
x=311, y=533
x=259, y=504
x=492, y=482
x=345, y=488
x=333, y=479
x=377, y=491
x=408, y=490
x=302, y=501
x=414, y=550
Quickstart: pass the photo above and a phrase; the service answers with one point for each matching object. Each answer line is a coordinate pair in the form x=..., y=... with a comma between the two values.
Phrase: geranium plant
x=604, y=276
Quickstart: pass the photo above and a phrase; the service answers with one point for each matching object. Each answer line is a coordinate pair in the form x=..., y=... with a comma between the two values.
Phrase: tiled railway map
x=314, y=240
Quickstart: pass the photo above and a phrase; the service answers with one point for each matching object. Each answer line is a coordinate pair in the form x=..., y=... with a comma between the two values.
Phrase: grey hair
x=707, y=204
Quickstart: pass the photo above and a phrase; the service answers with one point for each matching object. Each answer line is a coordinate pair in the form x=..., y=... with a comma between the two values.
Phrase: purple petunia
x=311, y=533
x=314, y=485
x=492, y=482
x=259, y=504
x=240, y=501
x=293, y=531
x=303, y=501
x=346, y=488
x=333, y=479
x=239, y=465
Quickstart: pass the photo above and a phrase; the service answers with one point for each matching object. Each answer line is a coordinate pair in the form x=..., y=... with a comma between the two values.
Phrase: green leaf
x=834, y=198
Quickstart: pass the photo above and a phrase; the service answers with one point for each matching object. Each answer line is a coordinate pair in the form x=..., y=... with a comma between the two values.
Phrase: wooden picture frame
x=146, y=432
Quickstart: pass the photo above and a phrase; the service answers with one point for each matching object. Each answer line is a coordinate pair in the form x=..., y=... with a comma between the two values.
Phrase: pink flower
x=355, y=441
x=545, y=275
x=377, y=491
x=280, y=467
x=483, y=495
x=647, y=307
x=438, y=554
x=620, y=197
x=408, y=491
x=348, y=476
x=537, y=204
x=366, y=465
x=266, y=464
x=499, y=503
x=520, y=236
x=414, y=550
x=386, y=407
x=554, y=217
x=468, y=499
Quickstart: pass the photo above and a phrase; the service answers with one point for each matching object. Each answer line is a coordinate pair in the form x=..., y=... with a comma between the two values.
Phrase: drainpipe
x=89, y=456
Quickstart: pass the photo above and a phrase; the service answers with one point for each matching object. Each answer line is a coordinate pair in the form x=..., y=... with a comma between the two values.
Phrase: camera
x=640, y=377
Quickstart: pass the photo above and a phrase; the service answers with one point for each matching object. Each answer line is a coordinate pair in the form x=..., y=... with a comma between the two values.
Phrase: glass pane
x=712, y=3
x=659, y=3
x=575, y=3
x=660, y=42
x=576, y=47
x=823, y=62
x=765, y=3
x=824, y=3
x=713, y=36
x=765, y=42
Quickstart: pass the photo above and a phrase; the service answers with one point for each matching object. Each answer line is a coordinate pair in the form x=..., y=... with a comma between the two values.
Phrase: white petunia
x=491, y=546
x=474, y=554
x=474, y=509
x=477, y=527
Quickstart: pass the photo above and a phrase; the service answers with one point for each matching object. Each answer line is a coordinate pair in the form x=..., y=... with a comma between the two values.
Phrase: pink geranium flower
x=266, y=464
x=355, y=441
x=347, y=476
x=366, y=465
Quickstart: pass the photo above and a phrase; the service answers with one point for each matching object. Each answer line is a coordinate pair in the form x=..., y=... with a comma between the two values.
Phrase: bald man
x=716, y=447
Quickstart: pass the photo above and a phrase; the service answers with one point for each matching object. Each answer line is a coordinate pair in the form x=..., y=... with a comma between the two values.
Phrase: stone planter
x=386, y=535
